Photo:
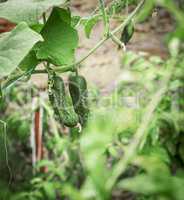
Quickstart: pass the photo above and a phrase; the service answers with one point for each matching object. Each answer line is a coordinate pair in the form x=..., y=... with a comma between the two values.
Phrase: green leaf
x=89, y=24
x=71, y=192
x=37, y=27
x=49, y=191
x=142, y=184
x=26, y=10
x=159, y=184
x=14, y=46
x=29, y=62
x=60, y=39
x=145, y=11
x=44, y=163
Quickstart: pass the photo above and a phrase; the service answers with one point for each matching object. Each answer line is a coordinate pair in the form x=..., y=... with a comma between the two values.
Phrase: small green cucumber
x=79, y=93
x=127, y=33
x=61, y=101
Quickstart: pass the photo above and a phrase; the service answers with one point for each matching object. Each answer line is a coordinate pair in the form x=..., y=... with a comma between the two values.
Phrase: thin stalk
x=4, y=131
x=39, y=71
x=118, y=42
x=44, y=71
x=64, y=69
x=127, y=7
x=58, y=69
x=47, y=64
x=105, y=17
x=99, y=44
x=44, y=18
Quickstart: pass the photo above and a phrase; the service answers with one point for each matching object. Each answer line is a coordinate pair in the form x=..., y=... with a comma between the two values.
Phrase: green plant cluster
x=126, y=150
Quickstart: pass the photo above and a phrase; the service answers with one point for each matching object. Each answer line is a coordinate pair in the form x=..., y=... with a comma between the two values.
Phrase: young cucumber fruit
x=61, y=101
x=127, y=33
x=79, y=93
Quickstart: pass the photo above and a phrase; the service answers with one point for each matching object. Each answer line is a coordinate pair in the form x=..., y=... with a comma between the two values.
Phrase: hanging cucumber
x=79, y=94
x=61, y=101
x=127, y=33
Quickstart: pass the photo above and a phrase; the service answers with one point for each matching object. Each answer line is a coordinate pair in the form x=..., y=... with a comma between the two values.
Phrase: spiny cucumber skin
x=61, y=102
x=78, y=92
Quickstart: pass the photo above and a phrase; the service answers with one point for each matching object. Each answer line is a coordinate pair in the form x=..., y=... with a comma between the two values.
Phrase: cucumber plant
x=103, y=160
x=54, y=42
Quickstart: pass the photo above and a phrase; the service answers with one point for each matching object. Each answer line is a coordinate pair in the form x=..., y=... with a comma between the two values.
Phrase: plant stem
x=56, y=69
x=64, y=68
x=47, y=64
x=44, y=18
x=99, y=44
x=39, y=71
x=105, y=17
x=118, y=42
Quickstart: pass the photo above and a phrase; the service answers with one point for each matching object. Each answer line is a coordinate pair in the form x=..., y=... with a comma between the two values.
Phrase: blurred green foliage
x=83, y=166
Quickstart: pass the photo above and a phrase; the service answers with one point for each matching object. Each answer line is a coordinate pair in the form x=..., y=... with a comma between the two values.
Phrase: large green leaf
x=14, y=46
x=60, y=39
x=26, y=10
